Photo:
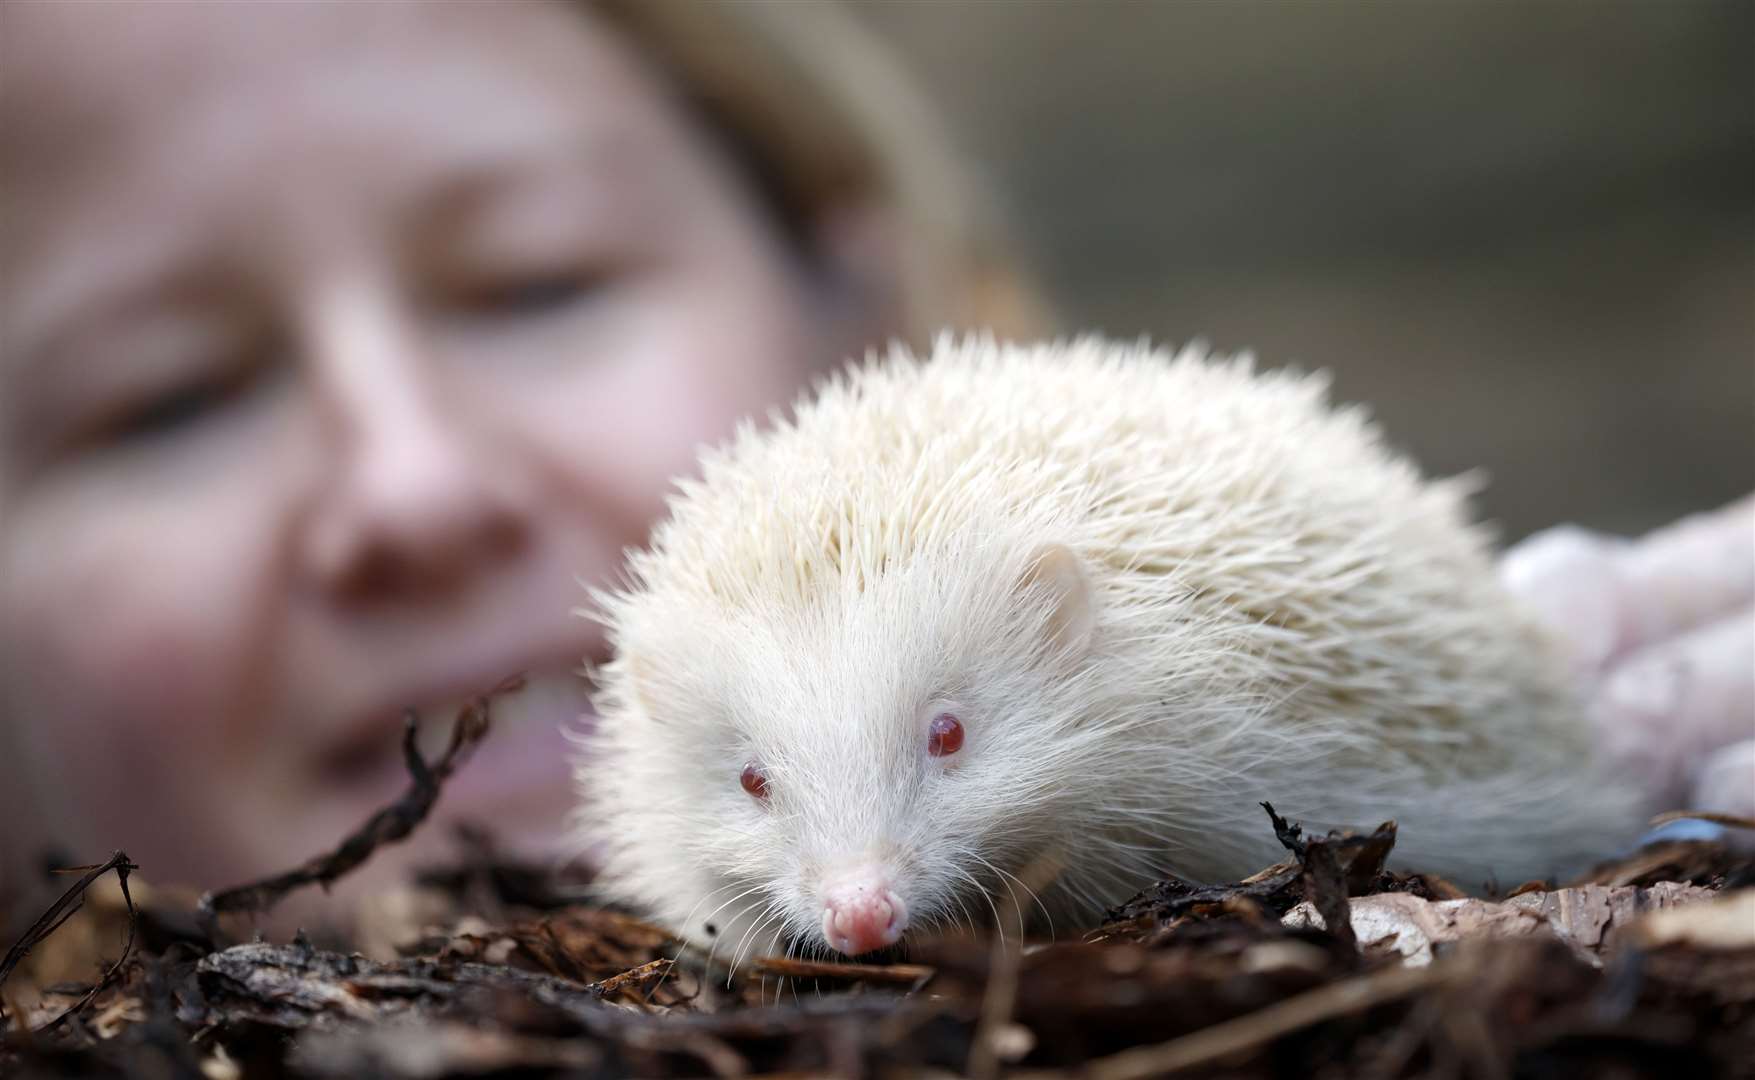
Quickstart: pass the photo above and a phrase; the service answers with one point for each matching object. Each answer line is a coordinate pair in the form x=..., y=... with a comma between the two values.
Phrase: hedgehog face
x=895, y=780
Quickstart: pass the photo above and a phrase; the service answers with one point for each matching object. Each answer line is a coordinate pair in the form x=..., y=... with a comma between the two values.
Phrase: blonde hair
x=825, y=117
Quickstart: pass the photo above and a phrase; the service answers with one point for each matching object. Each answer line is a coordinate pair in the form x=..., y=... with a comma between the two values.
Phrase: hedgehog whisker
x=968, y=918
x=753, y=888
x=1046, y=914
x=768, y=915
x=998, y=924
x=1017, y=905
x=711, y=893
x=772, y=913
x=687, y=943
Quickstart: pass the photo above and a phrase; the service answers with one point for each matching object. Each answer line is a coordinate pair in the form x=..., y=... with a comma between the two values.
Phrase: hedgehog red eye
x=754, y=781
x=945, y=736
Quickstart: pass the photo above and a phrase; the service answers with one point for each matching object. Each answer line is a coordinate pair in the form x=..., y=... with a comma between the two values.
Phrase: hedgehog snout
x=861, y=910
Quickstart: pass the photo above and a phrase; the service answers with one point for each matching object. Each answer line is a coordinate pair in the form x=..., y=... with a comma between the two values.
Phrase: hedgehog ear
x=1054, y=573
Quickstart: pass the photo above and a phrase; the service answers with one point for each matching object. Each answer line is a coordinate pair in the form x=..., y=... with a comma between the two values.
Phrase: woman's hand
x=1661, y=634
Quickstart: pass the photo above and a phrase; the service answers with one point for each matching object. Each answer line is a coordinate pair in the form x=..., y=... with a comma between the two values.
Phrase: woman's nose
x=420, y=500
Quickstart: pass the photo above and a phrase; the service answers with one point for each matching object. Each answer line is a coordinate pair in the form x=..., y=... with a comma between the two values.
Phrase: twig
x=996, y=1008
x=901, y=974
x=389, y=825
x=62, y=910
x=1290, y=836
x=1264, y=1025
x=1001, y=995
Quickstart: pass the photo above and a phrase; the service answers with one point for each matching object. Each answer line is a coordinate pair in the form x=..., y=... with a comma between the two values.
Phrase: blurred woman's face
x=340, y=343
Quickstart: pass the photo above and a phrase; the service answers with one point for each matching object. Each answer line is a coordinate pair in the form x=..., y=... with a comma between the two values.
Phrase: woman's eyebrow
x=622, y=159
x=90, y=284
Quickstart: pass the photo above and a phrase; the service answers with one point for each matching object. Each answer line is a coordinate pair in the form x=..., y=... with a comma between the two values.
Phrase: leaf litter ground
x=1324, y=965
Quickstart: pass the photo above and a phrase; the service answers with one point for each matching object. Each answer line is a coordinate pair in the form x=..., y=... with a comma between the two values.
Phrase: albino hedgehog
x=1080, y=605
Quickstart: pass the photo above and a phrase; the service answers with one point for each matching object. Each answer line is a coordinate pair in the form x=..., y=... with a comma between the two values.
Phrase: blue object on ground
x=1683, y=829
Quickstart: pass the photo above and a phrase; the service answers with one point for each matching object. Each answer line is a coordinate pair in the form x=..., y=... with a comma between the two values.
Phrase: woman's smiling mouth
x=524, y=762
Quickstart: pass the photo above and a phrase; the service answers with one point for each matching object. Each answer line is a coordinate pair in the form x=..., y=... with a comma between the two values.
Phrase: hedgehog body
x=1150, y=591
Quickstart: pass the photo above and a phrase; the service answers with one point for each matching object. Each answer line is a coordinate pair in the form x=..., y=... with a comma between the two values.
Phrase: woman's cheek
x=129, y=619
x=675, y=370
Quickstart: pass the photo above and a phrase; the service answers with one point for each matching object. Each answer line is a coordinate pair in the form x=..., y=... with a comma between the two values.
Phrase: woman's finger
x=1605, y=596
x=1664, y=709
x=1689, y=573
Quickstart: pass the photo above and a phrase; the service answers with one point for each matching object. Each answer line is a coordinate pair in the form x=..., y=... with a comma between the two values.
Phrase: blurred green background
x=1523, y=233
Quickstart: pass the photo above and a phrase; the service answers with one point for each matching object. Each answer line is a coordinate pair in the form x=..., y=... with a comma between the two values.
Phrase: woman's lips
x=525, y=763
x=518, y=778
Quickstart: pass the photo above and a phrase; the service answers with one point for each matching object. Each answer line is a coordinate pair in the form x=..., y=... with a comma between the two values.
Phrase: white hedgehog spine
x=1264, y=603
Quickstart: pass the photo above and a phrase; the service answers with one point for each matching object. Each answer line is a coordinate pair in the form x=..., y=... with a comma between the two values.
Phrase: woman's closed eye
x=149, y=381
x=174, y=409
x=530, y=296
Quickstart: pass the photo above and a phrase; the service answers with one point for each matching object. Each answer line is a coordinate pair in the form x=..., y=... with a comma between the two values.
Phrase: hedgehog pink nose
x=861, y=913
